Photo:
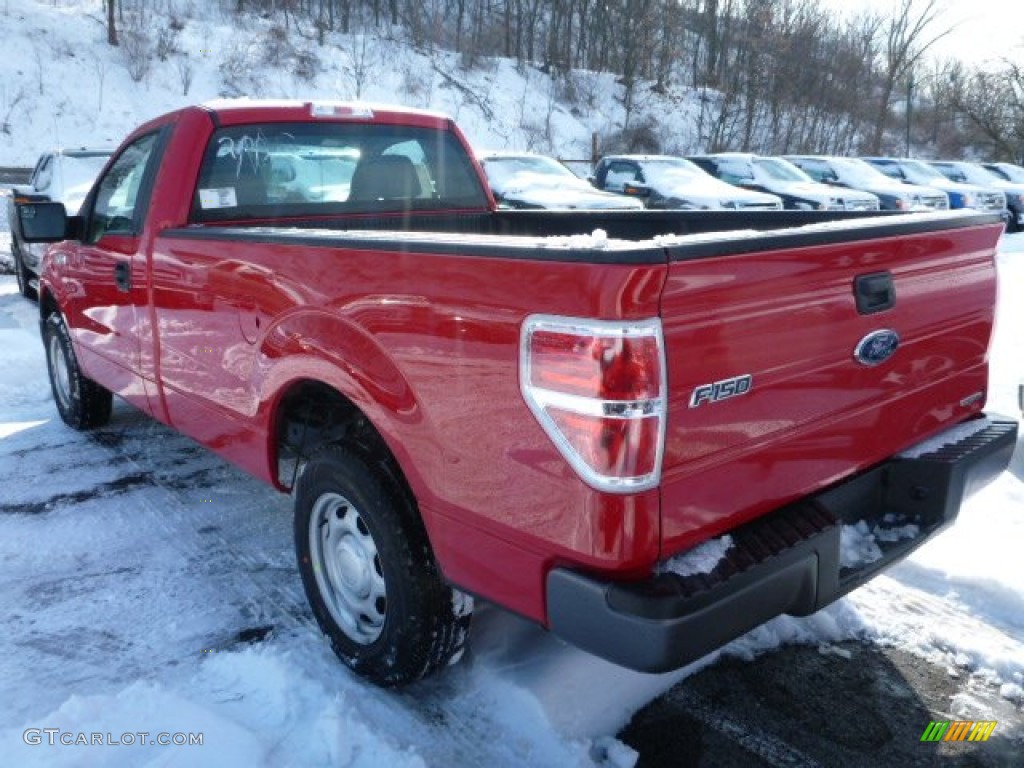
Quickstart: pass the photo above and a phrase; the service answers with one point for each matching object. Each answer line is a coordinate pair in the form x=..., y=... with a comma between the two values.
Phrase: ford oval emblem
x=876, y=347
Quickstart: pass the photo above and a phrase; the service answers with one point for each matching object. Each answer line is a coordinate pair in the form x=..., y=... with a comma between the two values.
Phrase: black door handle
x=123, y=276
x=874, y=292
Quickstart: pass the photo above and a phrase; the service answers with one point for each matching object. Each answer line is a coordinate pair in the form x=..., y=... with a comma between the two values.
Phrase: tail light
x=598, y=389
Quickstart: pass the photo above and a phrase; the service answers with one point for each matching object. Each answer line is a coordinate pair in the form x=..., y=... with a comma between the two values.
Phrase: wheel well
x=311, y=415
x=47, y=305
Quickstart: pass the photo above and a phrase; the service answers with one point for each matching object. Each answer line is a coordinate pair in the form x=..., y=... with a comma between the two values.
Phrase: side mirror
x=635, y=190
x=47, y=223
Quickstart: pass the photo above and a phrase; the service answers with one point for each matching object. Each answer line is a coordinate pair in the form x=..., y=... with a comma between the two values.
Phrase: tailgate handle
x=874, y=292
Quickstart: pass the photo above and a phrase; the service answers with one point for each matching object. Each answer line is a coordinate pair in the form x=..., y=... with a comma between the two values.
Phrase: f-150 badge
x=721, y=390
x=876, y=347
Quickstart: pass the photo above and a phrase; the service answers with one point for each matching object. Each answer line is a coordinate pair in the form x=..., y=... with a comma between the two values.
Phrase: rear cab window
x=276, y=170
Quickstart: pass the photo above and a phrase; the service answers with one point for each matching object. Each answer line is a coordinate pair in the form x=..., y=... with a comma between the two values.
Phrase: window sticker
x=221, y=197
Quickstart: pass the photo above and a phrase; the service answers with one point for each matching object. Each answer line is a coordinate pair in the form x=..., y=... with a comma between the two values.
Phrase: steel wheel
x=60, y=374
x=368, y=569
x=347, y=568
x=81, y=402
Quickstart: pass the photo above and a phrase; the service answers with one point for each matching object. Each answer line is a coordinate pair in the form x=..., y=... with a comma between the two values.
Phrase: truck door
x=107, y=310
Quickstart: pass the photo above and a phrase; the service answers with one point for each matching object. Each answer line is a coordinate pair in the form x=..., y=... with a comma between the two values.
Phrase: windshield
x=975, y=174
x=671, y=171
x=505, y=173
x=780, y=169
x=853, y=171
x=923, y=171
x=76, y=175
x=1012, y=172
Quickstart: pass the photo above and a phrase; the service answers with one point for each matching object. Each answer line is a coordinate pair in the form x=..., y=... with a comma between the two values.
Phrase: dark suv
x=856, y=174
x=662, y=181
x=992, y=175
x=961, y=195
x=779, y=177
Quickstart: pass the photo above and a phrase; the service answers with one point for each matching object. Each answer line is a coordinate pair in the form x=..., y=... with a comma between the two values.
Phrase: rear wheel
x=81, y=402
x=369, y=572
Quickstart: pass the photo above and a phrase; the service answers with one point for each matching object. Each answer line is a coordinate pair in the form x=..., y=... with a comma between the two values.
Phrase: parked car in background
x=663, y=181
x=61, y=176
x=523, y=180
x=776, y=176
x=974, y=173
x=1007, y=171
x=854, y=173
x=918, y=172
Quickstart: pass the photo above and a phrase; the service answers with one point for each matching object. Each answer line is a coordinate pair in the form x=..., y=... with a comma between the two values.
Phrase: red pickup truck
x=515, y=405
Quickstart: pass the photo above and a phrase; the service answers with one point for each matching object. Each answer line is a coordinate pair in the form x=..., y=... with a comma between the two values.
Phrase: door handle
x=874, y=292
x=123, y=276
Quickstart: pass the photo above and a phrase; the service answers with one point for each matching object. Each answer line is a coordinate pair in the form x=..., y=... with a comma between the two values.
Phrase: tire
x=21, y=271
x=369, y=572
x=81, y=402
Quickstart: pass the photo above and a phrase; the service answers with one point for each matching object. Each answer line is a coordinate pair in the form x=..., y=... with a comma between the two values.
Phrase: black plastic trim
x=408, y=243
x=641, y=226
x=874, y=292
x=785, y=562
x=911, y=224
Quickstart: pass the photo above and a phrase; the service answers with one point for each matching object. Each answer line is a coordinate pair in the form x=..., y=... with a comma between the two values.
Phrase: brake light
x=598, y=389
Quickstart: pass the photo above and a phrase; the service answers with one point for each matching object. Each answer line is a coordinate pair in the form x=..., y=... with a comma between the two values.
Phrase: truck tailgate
x=768, y=399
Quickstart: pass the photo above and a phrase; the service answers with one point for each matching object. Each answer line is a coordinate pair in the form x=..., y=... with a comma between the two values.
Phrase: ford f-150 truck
x=553, y=411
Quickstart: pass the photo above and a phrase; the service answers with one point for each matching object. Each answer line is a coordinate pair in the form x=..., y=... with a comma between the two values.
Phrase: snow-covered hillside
x=61, y=84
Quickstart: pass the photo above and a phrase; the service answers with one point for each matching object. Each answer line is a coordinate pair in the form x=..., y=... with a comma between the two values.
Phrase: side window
x=817, y=170
x=735, y=172
x=891, y=170
x=619, y=173
x=119, y=202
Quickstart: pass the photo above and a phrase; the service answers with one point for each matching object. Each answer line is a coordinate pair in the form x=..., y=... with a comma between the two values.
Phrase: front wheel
x=21, y=271
x=81, y=402
x=369, y=572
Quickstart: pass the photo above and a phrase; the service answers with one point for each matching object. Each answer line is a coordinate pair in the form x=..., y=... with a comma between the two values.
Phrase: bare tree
x=359, y=62
x=9, y=105
x=909, y=33
x=184, y=66
x=99, y=65
x=111, y=22
x=994, y=104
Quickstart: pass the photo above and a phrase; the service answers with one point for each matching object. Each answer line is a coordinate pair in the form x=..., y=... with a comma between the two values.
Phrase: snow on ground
x=148, y=586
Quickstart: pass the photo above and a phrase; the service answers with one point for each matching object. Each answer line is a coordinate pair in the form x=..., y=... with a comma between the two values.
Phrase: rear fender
x=318, y=346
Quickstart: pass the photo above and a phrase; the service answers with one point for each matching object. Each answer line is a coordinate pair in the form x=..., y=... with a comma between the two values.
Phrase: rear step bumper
x=788, y=561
